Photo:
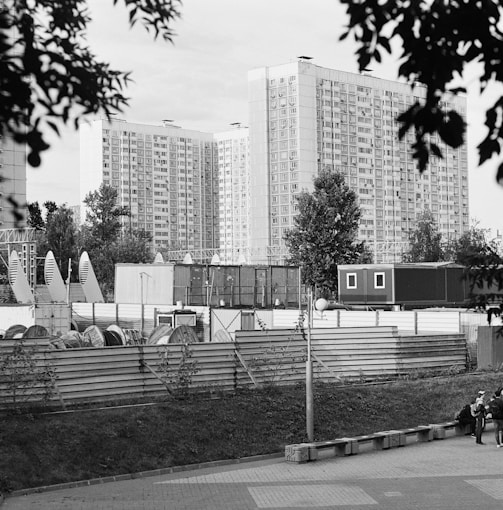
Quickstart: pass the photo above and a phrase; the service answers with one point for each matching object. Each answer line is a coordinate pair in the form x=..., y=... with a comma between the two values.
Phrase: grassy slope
x=45, y=449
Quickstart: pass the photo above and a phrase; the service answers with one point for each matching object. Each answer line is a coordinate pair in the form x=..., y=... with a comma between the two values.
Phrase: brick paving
x=440, y=475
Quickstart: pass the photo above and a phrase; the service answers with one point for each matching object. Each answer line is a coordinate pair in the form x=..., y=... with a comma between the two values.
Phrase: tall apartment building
x=304, y=118
x=234, y=194
x=167, y=176
x=13, y=185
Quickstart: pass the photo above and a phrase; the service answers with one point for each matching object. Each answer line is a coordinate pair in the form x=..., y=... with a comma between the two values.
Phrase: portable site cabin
x=406, y=285
x=208, y=285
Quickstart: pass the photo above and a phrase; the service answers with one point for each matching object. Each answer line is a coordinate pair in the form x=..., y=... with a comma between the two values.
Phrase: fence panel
x=326, y=319
x=404, y=321
x=285, y=318
x=438, y=322
x=349, y=318
x=267, y=357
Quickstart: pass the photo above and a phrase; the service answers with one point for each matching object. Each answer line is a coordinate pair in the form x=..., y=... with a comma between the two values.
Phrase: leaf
x=499, y=175
x=435, y=149
x=487, y=148
x=453, y=129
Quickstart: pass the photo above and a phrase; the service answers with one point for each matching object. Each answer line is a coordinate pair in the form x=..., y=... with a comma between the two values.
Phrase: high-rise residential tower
x=165, y=175
x=234, y=194
x=304, y=118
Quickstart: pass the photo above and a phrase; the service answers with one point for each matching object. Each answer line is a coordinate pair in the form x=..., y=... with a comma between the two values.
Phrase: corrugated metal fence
x=255, y=358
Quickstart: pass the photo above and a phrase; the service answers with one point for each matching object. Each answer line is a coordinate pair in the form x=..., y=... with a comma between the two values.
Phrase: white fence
x=55, y=317
x=212, y=321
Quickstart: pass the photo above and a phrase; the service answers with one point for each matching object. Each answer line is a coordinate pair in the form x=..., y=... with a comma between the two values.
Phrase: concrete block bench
x=439, y=429
x=305, y=452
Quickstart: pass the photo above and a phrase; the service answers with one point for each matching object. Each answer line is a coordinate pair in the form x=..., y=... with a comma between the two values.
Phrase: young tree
x=425, y=241
x=35, y=219
x=106, y=241
x=325, y=232
x=104, y=215
x=61, y=237
x=437, y=39
x=47, y=73
x=50, y=207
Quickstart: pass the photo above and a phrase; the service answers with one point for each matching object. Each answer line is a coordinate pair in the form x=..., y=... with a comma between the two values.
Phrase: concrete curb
x=141, y=474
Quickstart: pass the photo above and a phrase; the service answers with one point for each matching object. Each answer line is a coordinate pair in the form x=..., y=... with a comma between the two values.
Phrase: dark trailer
x=404, y=285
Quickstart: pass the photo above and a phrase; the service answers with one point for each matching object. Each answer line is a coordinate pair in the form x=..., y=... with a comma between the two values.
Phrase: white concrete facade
x=234, y=194
x=304, y=118
x=165, y=175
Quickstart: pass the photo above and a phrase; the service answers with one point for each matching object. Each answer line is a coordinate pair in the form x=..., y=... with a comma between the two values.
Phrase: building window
x=379, y=281
x=351, y=281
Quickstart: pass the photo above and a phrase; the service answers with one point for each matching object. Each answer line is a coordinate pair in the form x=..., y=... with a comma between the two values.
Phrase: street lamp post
x=321, y=305
x=309, y=370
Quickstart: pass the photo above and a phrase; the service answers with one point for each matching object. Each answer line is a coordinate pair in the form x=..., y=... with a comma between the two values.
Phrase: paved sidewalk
x=442, y=474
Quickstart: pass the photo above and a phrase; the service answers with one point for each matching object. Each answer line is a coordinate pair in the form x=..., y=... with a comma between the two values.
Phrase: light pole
x=309, y=370
x=321, y=305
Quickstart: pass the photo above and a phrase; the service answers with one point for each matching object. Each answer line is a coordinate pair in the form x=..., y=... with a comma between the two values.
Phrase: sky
x=200, y=81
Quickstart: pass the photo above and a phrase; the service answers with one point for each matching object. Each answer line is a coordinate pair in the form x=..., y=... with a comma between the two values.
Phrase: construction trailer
x=403, y=285
x=208, y=285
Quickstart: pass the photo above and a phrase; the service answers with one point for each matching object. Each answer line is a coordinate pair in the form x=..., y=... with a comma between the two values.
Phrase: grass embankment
x=38, y=450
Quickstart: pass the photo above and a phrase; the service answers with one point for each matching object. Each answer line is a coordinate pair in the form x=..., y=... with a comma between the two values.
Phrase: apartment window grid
x=148, y=158
x=339, y=113
x=284, y=160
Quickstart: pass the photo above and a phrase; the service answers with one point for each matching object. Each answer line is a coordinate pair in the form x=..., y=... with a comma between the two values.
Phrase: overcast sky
x=200, y=81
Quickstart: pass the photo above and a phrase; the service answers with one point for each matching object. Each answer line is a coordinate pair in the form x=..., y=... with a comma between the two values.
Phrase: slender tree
x=105, y=240
x=103, y=215
x=61, y=237
x=325, y=232
x=35, y=219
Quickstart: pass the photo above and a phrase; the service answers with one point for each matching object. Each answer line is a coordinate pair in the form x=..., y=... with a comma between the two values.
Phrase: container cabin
x=403, y=285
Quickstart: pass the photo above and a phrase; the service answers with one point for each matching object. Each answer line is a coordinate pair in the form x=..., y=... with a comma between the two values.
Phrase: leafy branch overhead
x=437, y=40
x=48, y=75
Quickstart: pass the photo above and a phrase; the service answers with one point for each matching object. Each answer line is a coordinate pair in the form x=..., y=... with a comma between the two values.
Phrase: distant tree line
x=427, y=244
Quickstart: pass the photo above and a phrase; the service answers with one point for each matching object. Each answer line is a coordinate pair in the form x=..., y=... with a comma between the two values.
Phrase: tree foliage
x=425, y=241
x=35, y=219
x=103, y=215
x=105, y=239
x=49, y=75
x=469, y=244
x=61, y=237
x=437, y=40
x=325, y=232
